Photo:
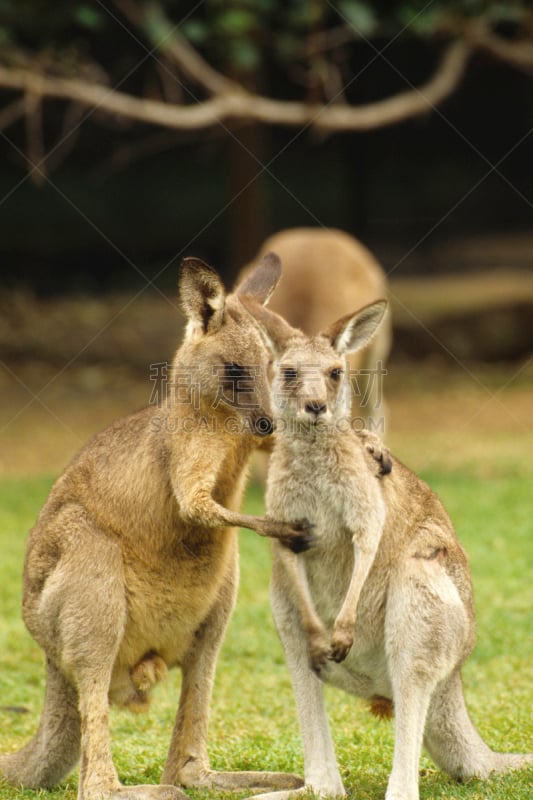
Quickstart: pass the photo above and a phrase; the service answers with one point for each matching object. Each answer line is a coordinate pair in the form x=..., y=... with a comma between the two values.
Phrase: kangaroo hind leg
x=54, y=750
x=78, y=615
x=425, y=630
x=188, y=762
x=91, y=637
x=322, y=777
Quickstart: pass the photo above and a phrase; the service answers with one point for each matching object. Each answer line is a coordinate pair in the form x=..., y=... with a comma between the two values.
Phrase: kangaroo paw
x=150, y=670
x=341, y=643
x=319, y=648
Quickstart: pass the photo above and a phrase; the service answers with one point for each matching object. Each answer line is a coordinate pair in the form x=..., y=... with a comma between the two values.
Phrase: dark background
x=89, y=251
x=448, y=192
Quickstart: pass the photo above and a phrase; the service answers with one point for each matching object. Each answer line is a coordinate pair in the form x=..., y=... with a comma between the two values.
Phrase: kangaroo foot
x=258, y=781
x=282, y=795
x=294, y=794
x=146, y=793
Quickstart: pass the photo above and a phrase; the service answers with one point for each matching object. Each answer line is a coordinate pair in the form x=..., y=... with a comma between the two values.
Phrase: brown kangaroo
x=132, y=566
x=382, y=605
x=326, y=274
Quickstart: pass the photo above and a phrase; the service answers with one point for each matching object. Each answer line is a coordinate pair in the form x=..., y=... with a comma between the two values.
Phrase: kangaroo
x=382, y=606
x=326, y=274
x=132, y=565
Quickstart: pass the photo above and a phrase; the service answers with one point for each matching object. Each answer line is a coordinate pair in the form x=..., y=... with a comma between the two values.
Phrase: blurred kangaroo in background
x=326, y=274
x=386, y=590
x=132, y=566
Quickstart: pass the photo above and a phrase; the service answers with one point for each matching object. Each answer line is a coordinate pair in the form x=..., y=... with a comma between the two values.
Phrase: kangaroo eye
x=289, y=374
x=335, y=374
x=234, y=371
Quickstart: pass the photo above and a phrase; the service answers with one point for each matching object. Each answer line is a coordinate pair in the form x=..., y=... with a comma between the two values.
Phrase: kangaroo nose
x=315, y=407
x=264, y=426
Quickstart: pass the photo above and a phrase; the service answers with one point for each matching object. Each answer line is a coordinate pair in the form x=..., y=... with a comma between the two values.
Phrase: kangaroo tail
x=54, y=750
x=453, y=742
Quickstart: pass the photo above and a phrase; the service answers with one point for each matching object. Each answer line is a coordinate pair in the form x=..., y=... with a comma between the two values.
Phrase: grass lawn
x=253, y=718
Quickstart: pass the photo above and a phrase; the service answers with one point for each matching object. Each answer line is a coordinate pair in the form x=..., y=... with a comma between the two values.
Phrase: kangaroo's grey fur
x=386, y=592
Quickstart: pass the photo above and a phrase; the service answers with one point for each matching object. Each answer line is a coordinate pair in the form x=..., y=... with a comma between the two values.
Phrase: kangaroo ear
x=202, y=295
x=276, y=332
x=354, y=331
x=261, y=281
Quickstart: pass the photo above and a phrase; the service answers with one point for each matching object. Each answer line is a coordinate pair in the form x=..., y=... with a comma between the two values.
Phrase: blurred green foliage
x=237, y=36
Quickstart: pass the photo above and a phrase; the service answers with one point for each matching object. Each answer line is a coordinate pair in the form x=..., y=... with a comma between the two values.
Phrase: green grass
x=253, y=723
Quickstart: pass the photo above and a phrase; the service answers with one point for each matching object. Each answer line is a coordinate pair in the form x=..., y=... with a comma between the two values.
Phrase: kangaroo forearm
x=363, y=560
x=294, y=567
x=202, y=510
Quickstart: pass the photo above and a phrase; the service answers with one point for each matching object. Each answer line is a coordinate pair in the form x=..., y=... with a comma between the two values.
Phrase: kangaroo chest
x=169, y=596
x=312, y=482
x=340, y=505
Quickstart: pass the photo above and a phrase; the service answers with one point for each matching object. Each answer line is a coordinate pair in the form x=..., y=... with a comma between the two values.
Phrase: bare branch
x=518, y=54
x=243, y=105
x=171, y=89
x=115, y=103
x=401, y=106
x=164, y=36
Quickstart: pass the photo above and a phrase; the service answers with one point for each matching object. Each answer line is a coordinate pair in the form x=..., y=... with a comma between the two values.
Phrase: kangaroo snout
x=316, y=407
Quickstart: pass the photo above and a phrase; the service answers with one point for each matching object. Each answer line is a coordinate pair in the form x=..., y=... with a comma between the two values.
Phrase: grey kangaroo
x=132, y=565
x=382, y=605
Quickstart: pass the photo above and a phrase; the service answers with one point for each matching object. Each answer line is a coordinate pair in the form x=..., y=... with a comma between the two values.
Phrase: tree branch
x=518, y=54
x=245, y=106
x=164, y=36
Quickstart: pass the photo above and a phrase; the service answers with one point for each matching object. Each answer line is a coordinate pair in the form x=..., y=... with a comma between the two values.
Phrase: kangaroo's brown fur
x=382, y=606
x=326, y=274
x=132, y=566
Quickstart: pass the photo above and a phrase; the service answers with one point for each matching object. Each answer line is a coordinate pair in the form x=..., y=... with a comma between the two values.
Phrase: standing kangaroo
x=388, y=579
x=326, y=274
x=132, y=566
